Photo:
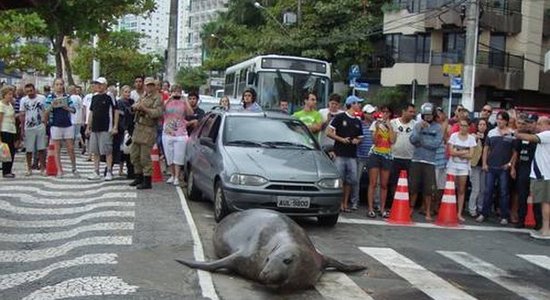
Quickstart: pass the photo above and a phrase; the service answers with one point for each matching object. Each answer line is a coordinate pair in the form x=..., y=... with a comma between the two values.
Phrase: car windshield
x=268, y=133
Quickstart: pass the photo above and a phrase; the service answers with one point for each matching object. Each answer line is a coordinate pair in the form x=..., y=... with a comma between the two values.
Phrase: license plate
x=293, y=202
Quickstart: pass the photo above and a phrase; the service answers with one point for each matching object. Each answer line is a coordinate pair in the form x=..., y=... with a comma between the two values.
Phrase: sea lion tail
x=329, y=262
x=224, y=263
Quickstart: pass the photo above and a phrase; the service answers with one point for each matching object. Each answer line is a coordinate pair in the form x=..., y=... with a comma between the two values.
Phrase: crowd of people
x=503, y=164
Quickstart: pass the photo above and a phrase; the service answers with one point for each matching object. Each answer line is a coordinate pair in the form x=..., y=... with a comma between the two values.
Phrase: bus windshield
x=276, y=86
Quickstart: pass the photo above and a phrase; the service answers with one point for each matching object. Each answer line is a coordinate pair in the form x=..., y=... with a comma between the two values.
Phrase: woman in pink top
x=174, y=133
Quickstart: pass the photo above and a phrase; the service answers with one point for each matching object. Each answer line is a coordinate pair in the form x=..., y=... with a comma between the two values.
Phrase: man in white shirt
x=402, y=150
x=327, y=114
x=32, y=109
x=139, y=90
x=540, y=173
x=76, y=118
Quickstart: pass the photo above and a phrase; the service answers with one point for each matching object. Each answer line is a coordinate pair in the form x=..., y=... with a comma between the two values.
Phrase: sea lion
x=268, y=247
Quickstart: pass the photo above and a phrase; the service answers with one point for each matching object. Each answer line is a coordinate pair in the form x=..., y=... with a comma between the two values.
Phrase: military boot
x=138, y=180
x=146, y=184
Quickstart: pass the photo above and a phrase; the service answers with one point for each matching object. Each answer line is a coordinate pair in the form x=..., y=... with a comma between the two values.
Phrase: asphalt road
x=72, y=238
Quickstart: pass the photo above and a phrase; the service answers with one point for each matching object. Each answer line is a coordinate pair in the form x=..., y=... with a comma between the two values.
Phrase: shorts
x=77, y=130
x=101, y=143
x=379, y=161
x=347, y=167
x=174, y=149
x=440, y=178
x=62, y=133
x=422, y=178
x=455, y=172
x=35, y=139
x=541, y=190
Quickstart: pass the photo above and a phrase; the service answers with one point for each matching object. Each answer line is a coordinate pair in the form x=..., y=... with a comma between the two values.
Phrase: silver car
x=243, y=160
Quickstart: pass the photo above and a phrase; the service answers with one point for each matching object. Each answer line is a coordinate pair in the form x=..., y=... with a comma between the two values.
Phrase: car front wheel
x=192, y=192
x=220, y=207
x=327, y=220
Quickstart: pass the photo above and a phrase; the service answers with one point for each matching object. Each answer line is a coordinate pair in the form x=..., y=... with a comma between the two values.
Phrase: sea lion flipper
x=329, y=262
x=212, y=266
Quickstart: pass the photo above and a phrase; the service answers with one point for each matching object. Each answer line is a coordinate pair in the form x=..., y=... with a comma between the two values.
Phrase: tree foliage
x=120, y=61
x=81, y=18
x=339, y=31
x=20, y=50
x=191, y=78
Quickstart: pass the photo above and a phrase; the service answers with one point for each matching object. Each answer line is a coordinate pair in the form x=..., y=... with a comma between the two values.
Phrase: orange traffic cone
x=51, y=167
x=447, y=215
x=157, y=173
x=400, y=210
x=530, y=216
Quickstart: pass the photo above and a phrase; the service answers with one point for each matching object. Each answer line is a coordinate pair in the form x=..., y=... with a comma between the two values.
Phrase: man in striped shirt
x=363, y=150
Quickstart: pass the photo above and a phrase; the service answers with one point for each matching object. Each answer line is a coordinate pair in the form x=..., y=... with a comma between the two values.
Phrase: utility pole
x=170, y=62
x=95, y=62
x=470, y=57
x=299, y=12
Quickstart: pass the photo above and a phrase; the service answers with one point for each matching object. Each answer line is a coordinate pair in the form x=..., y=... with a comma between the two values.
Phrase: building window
x=409, y=48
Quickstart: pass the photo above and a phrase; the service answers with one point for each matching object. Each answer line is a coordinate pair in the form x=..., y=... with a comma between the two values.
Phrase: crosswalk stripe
x=542, y=261
x=12, y=256
x=69, y=185
x=55, y=201
x=4, y=205
x=42, y=192
x=65, y=222
x=336, y=285
x=14, y=279
x=84, y=286
x=70, y=180
x=496, y=275
x=60, y=235
x=426, y=281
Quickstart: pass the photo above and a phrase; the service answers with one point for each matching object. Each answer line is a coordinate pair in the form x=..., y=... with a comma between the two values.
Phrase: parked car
x=242, y=160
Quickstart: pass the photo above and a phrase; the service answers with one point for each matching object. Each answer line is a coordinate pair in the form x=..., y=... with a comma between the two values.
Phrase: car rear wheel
x=220, y=207
x=328, y=220
x=192, y=192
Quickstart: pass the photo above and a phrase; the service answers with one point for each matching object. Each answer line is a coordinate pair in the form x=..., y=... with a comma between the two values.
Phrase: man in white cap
x=363, y=150
x=102, y=125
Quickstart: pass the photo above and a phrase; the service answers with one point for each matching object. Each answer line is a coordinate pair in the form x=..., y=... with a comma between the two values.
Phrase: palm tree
x=172, y=42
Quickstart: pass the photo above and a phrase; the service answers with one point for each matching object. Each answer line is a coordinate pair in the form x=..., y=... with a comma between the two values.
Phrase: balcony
x=500, y=70
x=501, y=16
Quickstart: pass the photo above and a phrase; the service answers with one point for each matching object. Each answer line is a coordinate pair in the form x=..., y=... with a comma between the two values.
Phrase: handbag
x=125, y=146
x=5, y=154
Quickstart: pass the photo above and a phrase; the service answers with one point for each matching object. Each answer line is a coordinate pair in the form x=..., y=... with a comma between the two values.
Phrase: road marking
x=336, y=285
x=542, y=261
x=55, y=201
x=46, y=253
x=205, y=278
x=42, y=192
x=342, y=220
x=84, y=286
x=14, y=279
x=426, y=281
x=65, y=222
x=60, y=235
x=69, y=185
x=4, y=205
x=496, y=275
x=60, y=180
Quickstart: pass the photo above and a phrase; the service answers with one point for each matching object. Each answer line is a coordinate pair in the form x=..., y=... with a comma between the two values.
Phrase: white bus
x=277, y=77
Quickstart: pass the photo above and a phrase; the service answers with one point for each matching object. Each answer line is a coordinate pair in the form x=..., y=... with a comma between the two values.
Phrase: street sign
x=456, y=85
x=453, y=69
x=354, y=72
x=361, y=86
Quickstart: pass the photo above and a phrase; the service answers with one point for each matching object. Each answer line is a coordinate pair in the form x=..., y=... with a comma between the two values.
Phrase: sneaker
x=28, y=173
x=386, y=214
x=176, y=182
x=480, y=219
x=354, y=207
x=75, y=173
x=371, y=214
x=170, y=180
x=94, y=176
x=503, y=221
x=109, y=176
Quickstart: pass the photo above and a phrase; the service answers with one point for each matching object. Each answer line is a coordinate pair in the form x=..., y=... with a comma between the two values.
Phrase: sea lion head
x=290, y=267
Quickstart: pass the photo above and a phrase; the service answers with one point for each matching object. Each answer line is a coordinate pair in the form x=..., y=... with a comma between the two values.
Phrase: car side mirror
x=206, y=141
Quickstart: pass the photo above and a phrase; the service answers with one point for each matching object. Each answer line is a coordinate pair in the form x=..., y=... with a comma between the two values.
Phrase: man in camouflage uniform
x=147, y=113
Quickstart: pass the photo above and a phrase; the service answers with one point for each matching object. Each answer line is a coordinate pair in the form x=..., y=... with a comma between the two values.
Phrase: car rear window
x=267, y=132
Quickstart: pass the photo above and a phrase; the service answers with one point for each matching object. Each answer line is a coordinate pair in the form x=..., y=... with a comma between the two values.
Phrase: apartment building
x=423, y=35
x=200, y=12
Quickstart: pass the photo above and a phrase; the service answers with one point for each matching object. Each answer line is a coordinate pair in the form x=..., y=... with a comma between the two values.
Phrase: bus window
x=242, y=81
x=229, y=85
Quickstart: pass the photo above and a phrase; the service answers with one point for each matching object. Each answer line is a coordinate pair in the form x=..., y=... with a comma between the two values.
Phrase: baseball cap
x=100, y=80
x=529, y=117
x=353, y=99
x=149, y=80
x=369, y=109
